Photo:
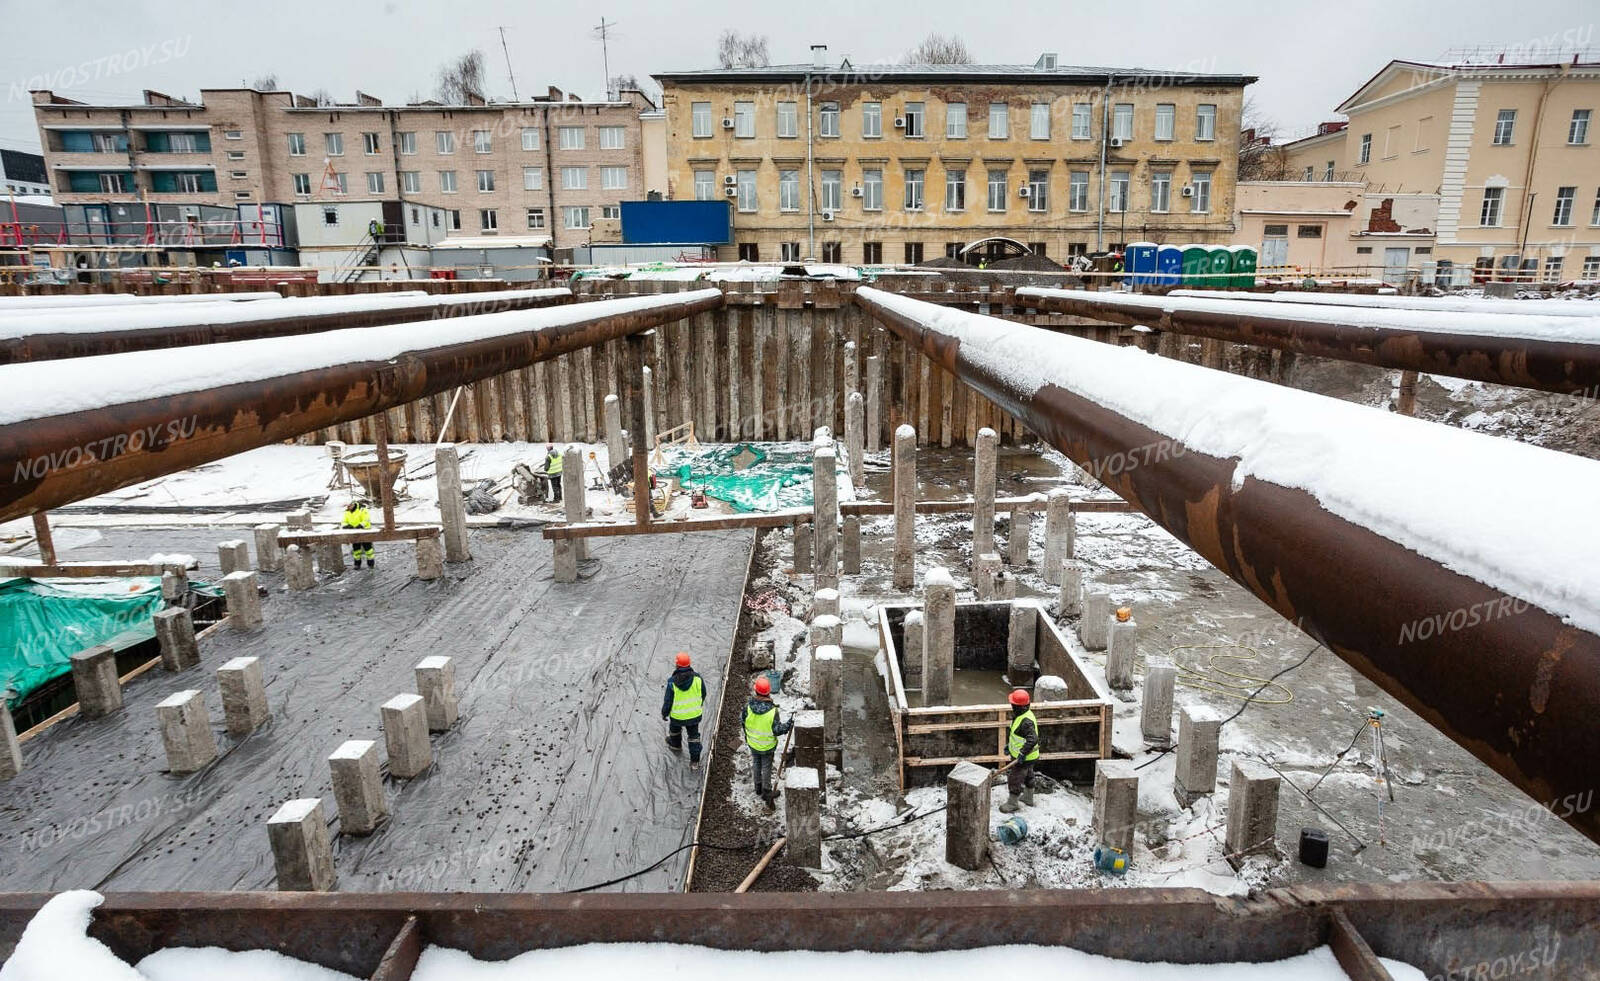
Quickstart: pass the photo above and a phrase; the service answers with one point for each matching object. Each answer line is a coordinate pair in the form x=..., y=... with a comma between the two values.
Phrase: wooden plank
x=749, y=373
x=352, y=535
x=399, y=961
x=947, y=408
x=822, y=399
x=516, y=405
x=731, y=329
x=538, y=405
x=562, y=396
x=801, y=397
x=775, y=519
x=996, y=758
x=94, y=570
x=781, y=351
x=927, y=728
x=493, y=405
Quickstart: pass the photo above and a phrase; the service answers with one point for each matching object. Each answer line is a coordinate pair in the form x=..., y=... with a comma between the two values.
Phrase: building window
x=749, y=252
x=485, y=181
x=533, y=178
x=408, y=144
x=832, y=252
x=1591, y=268
x=571, y=138
x=1205, y=122
x=482, y=141
x=913, y=189
x=1308, y=231
x=746, y=183
x=872, y=119
x=1078, y=191
x=612, y=211
x=447, y=182
x=955, y=121
x=1122, y=121
x=832, y=190
x=614, y=178
x=1082, y=120
x=1166, y=121
x=1119, y=191
x=872, y=253
x=530, y=141
x=302, y=184
x=1200, y=201
x=297, y=144
x=370, y=144
x=1077, y=248
x=1565, y=196
x=999, y=185
x=952, y=250
x=744, y=120
x=1327, y=172
x=333, y=144
x=1365, y=154
x=235, y=154
x=113, y=183
x=788, y=120
x=1552, y=268
x=1039, y=121
x=700, y=118
x=341, y=180
x=1310, y=172
x=1578, y=129
x=872, y=190
x=1489, y=214
x=575, y=218
x=411, y=181
x=612, y=137
x=1391, y=142
x=233, y=134
x=241, y=195
x=789, y=252
x=1039, y=190
x=1161, y=190
x=488, y=220
x=1505, y=126
x=535, y=219
x=574, y=178
x=374, y=182
x=455, y=221
x=955, y=190
x=914, y=253
x=118, y=143
x=1594, y=216
x=914, y=119
x=330, y=216
x=999, y=121
x=444, y=142
x=705, y=185
x=788, y=190
x=828, y=119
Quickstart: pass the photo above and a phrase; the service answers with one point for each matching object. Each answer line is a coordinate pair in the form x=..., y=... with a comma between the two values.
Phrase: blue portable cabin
x=1140, y=262
x=1169, y=265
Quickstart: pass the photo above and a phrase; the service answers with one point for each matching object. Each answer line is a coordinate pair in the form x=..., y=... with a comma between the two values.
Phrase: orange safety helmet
x=683, y=659
x=763, y=686
x=1019, y=697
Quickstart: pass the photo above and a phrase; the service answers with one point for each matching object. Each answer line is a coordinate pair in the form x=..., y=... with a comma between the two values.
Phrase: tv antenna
x=603, y=32
x=509, y=73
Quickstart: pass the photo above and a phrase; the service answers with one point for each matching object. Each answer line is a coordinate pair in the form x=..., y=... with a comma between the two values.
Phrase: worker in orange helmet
x=1023, y=749
x=682, y=706
x=762, y=727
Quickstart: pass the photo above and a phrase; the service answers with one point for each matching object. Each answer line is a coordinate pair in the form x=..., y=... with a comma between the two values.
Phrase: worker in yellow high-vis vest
x=357, y=516
x=682, y=707
x=1022, y=747
x=762, y=727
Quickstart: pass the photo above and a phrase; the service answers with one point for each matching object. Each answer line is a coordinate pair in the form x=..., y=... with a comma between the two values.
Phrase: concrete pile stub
x=1059, y=533
x=1155, y=704
x=430, y=559
x=1252, y=808
x=174, y=587
x=405, y=736
x=572, y=497
x=810, y=745
x=329, y=556
x=1022, y=638
x=827, y=690
x=1021, y=533
x=802, y=813
x=912, y=632
x=244, y=695
x=358, y=787
x=802, y=548
x=436, y=683
x=1199, y=737
x=825, y=602
x=825, y=516
x=186, y=731
x=986, y=569
x=1116, y=803
x=10, y=748
x=827, y=630
x=966, y=819
x=905, y=506
x=244, y=600
x=983, y=492
x=297, y=570
x=1094, y=627
x=938, y=636
x=94, y=676
x=1122, y=651
x=616, y=449
x=1051, y=688
x=855, y=414
x=299, y=520
x=180, y=650
x=302, y=853
x=269, y=554
x=452, y=506
x=850, y=544
x=1071, y=578
x=565, y=554
x=233, y=556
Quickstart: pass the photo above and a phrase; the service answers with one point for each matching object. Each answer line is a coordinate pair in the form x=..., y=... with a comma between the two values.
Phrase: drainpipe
x=811, y=204
x=1528, y=194
x=550, y=183
x=1105, y=137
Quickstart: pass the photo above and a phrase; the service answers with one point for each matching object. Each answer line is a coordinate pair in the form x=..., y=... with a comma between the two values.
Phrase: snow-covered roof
x=865, y=73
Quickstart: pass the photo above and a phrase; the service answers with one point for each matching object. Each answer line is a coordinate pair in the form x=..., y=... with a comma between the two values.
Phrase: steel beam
x=1409, y=340
x=46, y=462
x=1520, y=692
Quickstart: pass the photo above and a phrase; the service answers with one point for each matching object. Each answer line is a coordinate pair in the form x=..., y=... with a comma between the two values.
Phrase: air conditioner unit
x=727, y=122
x=855, y=192
x=733, y=192
x=730, y=180
x=1024, y=192
x=1116, y=143
x=1188, y=191
x=899, y=122
x=827, y=216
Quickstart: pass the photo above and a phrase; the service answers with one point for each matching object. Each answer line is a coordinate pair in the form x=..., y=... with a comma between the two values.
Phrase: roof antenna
x=603, y=32
x=509, y=73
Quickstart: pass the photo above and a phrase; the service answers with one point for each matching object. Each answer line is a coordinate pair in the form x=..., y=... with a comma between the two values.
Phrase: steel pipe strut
x=73, y=429
x=1483, y=620
x=1547, y=354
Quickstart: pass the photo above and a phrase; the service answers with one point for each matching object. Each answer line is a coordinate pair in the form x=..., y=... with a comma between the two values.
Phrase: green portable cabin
x=1244, y=268
x=1220, y=262
x=1195, y=265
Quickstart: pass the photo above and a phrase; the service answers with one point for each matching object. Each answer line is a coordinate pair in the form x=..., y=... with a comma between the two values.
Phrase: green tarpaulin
x=750, y=478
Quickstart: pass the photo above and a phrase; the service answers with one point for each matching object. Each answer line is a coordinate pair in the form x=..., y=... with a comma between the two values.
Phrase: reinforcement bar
x=1519, y=687
x=1547, y=354
x=186, y=411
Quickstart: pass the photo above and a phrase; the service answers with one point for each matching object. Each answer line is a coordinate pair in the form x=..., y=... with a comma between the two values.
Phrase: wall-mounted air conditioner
x=1024, y=192
x=1116, y=143
x=899, y=122
x=727, y=122
x=733, y=192
x=1188, y=191
x=855, y=192
x=827, y=216
x=730, y=180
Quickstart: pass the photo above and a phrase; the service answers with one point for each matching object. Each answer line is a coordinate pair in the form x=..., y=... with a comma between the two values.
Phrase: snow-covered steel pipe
x=1546, y=353
x=75, y=428
x=87, y=332
x=1396, y=301
x=9, y=304
x=1456, y=570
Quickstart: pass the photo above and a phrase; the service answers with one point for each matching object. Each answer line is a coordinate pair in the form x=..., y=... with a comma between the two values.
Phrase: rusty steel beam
x=1408, y=340
x=47, y=335
x=57, y=459
x=1521, y=692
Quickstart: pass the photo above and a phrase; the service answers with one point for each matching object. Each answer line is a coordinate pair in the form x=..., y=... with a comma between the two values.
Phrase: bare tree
x=1259, y=158
x=266, y=83
x=461, y=79
x=735, y=50
x=323, y=97
x=937, y=49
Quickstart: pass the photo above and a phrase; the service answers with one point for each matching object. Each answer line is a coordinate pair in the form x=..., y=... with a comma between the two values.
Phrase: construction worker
x=357, y=516
x=1023, y=749
x=681, y=707
x=551, y=474
x=762, y=727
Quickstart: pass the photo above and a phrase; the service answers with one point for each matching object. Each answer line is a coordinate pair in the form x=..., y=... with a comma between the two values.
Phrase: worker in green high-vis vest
x=762, y=727
x=1023, y=748
x=682, y=707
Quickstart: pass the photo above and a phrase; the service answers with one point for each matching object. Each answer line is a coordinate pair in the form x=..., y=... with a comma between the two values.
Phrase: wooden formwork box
x=932, y=738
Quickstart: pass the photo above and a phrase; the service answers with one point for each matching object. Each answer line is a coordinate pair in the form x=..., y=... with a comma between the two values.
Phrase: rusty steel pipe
x=1405, y=340
x=1521, y=692
x=57, y=459
x=54, y=333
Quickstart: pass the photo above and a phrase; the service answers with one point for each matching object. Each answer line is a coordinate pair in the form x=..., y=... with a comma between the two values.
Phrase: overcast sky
x=1309, y=57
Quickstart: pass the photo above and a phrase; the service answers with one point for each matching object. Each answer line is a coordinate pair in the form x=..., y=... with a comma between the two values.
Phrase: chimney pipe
x=819, y=56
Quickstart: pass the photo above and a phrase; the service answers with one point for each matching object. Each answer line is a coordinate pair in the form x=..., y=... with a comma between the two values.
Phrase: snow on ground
x=1572, y=307
x=55, y=945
